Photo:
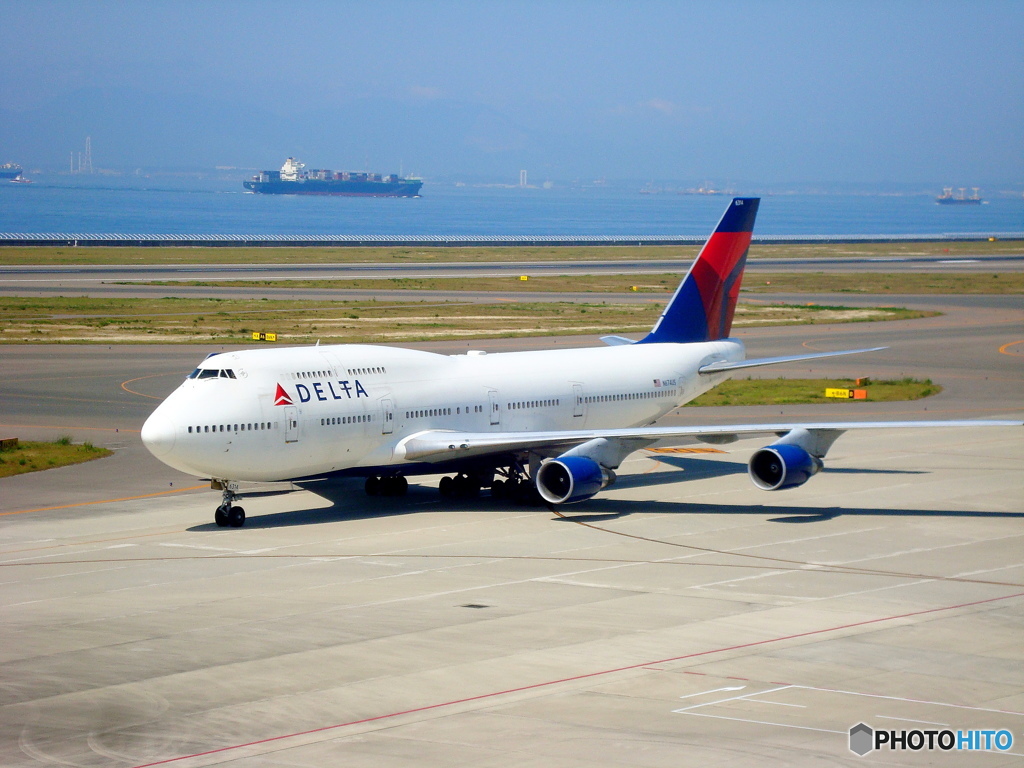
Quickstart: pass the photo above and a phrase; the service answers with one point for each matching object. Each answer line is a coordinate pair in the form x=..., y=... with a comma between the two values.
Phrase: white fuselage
x=280, y=414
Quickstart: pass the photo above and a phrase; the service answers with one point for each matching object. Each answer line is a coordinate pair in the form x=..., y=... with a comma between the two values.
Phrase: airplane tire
x=498, y=489
x=373, y=485
x=465, y=486
x=510, y=489
x=236, y=517
x=446, y=487
x=392, y=485
x=526, y=494
x=220, y=517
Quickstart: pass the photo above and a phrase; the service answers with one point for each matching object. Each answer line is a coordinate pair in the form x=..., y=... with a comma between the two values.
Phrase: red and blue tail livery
x=703, y=306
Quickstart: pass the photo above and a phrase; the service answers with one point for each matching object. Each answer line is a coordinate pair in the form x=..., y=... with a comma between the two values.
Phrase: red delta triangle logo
x=281, y=397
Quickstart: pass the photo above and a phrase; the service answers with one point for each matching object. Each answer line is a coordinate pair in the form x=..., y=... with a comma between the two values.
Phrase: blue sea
x=190, y=205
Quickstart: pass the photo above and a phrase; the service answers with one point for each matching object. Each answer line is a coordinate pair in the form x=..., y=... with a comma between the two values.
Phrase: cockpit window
x=212, y=373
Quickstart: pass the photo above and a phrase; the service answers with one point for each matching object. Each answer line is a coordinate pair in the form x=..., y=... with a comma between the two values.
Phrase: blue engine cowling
x=569, y=479
x=782, y=466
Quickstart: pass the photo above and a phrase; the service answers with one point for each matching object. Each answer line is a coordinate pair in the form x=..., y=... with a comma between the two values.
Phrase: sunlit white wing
x=758, y=362
x=442, y=445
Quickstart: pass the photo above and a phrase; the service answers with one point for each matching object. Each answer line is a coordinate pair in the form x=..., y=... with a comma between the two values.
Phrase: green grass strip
x=811, y=391
x=31, y=456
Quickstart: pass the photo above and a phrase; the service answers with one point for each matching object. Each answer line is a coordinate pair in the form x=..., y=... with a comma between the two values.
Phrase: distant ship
x=948, y=198
x=292, y=179
x=10, y=171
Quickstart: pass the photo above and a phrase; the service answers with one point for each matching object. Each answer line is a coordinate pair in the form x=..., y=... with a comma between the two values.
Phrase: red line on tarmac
x=535, y=686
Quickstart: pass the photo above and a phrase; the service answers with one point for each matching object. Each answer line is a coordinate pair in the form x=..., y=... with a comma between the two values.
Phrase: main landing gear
x=511, y=483
x=462, y=486
x=386, y=485
x=227, y=514
x=516, y=487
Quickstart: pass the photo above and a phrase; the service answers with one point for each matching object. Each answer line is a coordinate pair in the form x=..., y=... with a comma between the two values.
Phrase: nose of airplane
x=158, y=435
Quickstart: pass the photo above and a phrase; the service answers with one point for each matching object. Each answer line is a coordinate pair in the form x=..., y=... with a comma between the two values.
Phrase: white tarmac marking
x=877, y=556
x=734, y=698
x=196, y=546
x=917, y=550
x=76, y=574
x=754, y=698
x=910, y=720
x=768, y=722
x=714, y=690
x=912, y=701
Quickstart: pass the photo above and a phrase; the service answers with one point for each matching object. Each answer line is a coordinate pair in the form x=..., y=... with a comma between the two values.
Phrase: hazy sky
x=818, y=91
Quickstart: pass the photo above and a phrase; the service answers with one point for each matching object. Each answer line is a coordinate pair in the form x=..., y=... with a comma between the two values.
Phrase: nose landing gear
x=226, y=514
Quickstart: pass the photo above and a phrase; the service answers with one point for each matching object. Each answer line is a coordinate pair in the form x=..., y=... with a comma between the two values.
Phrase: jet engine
x=781, y=466
x=568, y=479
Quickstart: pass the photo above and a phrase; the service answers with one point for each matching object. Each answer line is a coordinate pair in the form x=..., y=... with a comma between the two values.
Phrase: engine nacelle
x=570, y=479
x=781, y=466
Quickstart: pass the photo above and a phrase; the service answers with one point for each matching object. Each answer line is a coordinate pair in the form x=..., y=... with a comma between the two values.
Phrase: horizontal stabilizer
x=758, y=362
x=616, y=341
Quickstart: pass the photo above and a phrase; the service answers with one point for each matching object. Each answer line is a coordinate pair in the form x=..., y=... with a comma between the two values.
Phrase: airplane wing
x=443, y=445
x=758, y=362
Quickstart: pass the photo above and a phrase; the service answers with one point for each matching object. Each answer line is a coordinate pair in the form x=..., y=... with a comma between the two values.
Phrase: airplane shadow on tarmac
x=699, y=469
x=596, y=511
x=349, y=502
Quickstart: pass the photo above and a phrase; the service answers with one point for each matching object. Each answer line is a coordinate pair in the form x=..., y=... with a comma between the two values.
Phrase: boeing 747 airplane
x=555, y=423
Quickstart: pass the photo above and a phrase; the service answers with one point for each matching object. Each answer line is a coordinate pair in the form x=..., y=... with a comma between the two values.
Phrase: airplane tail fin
x=703, y=305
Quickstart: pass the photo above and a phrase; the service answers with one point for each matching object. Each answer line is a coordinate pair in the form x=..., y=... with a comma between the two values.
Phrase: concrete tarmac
x=681, y=617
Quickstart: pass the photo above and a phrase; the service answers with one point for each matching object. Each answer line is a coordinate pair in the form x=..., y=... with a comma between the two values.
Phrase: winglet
x=705, y=302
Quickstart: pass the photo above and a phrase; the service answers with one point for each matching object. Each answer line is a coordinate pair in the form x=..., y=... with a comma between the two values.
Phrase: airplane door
x=492, y=401
x=577, y=394
x=387, y=417
x=291, y=424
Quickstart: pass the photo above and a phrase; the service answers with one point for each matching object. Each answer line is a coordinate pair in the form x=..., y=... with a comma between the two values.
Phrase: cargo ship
x=10, y=171
x=294, y=179
x=948, y=198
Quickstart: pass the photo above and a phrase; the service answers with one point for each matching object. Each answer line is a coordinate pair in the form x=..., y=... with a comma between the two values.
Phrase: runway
x=680, y=617
x=124, y=280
